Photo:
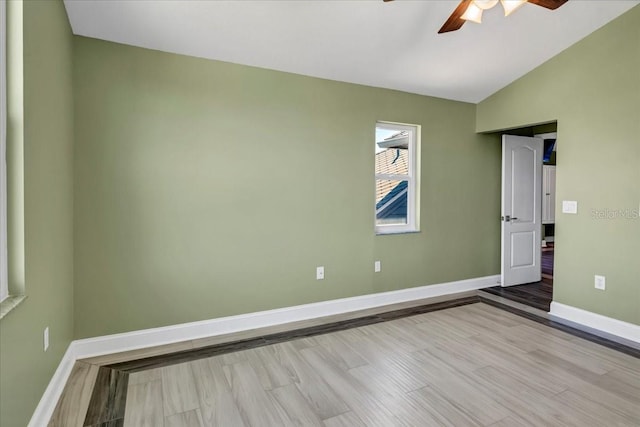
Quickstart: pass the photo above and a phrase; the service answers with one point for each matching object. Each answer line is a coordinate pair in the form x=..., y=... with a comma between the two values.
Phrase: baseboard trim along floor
x=52, y=393
x=575, y=329
x=108, y=400
x=111, y=379
x=109, y=344
x=149, y=338
x=612, y=329
x=110, y=385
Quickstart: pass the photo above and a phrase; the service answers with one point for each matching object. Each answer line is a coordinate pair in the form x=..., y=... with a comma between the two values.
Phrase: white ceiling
x=392, y=45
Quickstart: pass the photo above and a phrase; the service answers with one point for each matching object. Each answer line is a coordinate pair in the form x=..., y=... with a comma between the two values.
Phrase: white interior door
x=521, y=210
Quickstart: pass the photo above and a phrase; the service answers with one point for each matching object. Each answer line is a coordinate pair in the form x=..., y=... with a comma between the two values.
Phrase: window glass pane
x=391, y=202
x=392, y=152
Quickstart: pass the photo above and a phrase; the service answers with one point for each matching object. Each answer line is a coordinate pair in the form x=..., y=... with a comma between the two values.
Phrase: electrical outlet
x=320, y=273
x=376, y=266
x=46, y=338
x=599, y=282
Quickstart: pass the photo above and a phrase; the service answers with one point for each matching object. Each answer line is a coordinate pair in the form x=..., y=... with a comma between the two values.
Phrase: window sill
x=392, y=233
x=10, y=303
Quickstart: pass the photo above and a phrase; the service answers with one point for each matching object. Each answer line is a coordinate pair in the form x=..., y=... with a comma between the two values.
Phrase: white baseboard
x=607, y=326
x=225, y=325
x=116, y=343
x=49, y=399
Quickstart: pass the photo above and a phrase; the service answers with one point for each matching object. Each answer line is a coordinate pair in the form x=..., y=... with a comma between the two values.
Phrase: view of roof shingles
x=391, y=161
x=394, y=204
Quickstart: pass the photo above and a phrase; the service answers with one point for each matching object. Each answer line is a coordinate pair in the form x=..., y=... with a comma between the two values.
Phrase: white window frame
x=412, y=179
x=4, y=284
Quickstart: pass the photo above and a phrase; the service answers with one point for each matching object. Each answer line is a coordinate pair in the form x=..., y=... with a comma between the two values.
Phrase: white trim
x=603, y=324
x=4, y=282
x=107, y=344
x=127, y=341
x=412, y=178
x=549, y=135
x=49, y=399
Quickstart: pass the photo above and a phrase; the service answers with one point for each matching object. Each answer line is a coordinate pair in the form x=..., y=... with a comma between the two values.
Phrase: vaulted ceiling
x=392, y=45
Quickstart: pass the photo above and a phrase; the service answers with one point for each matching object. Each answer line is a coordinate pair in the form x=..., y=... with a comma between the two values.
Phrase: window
x=396, y=175
x=4, y=286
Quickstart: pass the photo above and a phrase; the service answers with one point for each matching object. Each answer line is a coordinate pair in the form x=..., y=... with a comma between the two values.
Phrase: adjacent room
x=320, y=213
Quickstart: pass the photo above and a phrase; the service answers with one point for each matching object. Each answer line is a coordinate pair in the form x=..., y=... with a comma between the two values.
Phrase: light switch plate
x=569, y=206
x=599, y=282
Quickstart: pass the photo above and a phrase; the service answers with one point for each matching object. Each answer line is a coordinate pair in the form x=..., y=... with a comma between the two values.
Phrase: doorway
x=538, y=291
x=549, y=164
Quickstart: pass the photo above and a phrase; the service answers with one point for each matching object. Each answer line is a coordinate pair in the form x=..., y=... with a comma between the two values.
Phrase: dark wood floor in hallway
x=539, y=294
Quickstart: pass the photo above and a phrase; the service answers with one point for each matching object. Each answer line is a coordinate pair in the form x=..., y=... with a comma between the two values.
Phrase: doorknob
x=508, y=218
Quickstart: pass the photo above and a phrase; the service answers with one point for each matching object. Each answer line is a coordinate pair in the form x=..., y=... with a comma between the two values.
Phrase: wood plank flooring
x=74, y=402
x=472, y=364
x=538, y=295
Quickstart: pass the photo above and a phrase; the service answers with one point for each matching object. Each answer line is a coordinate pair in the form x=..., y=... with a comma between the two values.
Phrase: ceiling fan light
x=511, y=6
x=485, y=4
x=473, y=13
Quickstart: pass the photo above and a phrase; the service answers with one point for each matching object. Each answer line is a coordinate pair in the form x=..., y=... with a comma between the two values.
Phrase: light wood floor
x=469, y=365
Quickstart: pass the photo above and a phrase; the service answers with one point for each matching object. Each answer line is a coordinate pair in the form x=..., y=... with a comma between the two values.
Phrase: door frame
x=550, y=135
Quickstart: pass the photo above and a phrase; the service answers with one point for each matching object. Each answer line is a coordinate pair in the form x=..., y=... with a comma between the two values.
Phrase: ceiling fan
x=471, y=10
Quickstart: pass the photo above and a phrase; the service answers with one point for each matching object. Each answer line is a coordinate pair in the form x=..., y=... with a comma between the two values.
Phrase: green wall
x=48, y=211
x=207, y=189
x=204, y=189
x=593, y=90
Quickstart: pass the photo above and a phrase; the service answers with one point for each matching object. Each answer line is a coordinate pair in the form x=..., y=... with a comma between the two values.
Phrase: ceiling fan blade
x=455, y=21
x=549, y=4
